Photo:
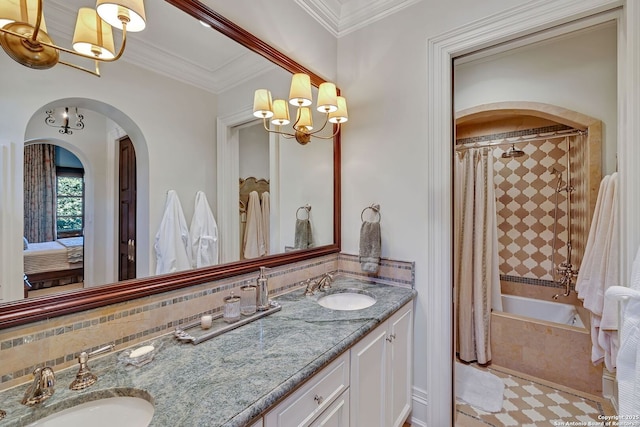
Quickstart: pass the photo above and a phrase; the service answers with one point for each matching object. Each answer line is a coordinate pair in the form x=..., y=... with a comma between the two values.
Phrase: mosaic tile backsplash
x=58, y=341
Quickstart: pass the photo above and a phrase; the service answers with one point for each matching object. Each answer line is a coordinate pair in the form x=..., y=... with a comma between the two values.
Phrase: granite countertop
x=233, y=378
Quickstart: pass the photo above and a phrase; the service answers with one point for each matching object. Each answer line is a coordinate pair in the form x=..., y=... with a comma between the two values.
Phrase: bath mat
x=481, y=389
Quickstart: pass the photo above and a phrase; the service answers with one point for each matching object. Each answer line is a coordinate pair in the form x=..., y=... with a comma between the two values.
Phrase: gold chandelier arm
x=36, y=29
x=314, y=133
x=86, y=70
x=285, y=134
x=73, y=52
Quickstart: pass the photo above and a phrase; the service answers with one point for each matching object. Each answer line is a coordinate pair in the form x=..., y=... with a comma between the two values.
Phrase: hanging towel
x=172, y=243
x=253, y=242
x=204, y=234
x=266, y=208
x=370, y=246
x=628, y=358
x=599, y=271
x=303, y=238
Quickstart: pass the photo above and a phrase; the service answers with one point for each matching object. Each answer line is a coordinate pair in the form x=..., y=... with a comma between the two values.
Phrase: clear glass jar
x=248, y=300
x=231, y=311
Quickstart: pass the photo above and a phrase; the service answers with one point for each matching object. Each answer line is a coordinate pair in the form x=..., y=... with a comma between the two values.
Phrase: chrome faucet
x=41, y=388
x=322, y=284
x=84, y=377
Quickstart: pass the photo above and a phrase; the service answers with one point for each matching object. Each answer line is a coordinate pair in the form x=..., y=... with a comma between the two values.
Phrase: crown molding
x=152, y=56
x=341, y=17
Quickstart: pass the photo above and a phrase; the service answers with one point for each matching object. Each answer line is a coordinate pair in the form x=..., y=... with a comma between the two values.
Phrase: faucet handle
x=84, y=377
x=41, y=388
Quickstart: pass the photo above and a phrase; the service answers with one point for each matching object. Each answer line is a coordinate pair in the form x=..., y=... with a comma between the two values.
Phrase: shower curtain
x=476, y=275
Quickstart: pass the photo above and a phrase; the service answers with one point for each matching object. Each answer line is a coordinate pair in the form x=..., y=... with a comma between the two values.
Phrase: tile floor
x=532, y=402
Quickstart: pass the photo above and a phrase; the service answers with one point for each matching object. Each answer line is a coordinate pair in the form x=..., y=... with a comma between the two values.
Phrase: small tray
x=143, y=359
x=196, y=334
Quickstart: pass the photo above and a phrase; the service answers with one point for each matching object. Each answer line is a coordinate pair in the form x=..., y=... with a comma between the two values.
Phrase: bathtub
x=544, y=339
x=548, y=311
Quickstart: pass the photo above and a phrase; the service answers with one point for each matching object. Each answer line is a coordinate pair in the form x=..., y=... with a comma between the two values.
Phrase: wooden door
x=127, y=210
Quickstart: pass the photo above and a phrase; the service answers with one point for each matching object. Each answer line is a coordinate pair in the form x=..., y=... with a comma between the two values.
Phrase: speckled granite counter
x=231, y=379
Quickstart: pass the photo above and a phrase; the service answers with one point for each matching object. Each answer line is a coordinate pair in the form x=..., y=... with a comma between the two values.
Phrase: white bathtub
x=548, y=311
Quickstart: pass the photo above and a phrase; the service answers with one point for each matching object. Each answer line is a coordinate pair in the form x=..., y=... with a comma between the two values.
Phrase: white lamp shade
x=327, y=98
x=280, y=113
x=93, y=36
x=304, y=118
x=112, y=10
x=300, y=92
x=262, y=105
x=340, y=115
x=20, y=11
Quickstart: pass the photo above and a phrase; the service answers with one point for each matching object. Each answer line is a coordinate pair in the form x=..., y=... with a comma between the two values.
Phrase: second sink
x=349, y=299
x=107, y=412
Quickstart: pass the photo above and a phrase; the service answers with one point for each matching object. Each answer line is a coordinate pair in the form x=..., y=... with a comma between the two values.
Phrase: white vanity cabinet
x=258, y=423
x=367, y=386
x=381, y=370
x=313, y=402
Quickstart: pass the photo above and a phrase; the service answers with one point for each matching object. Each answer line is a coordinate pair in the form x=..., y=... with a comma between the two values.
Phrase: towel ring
x=375, y=208
x=306, y=208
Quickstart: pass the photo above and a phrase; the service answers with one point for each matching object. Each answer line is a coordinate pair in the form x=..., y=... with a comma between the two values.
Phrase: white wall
x=173, y=130
x=577, y=72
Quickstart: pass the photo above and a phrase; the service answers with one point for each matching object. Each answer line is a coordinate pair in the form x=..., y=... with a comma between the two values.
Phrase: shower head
x=512, y=152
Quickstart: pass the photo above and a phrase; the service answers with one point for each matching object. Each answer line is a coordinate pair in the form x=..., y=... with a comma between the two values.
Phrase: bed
x=54, y=263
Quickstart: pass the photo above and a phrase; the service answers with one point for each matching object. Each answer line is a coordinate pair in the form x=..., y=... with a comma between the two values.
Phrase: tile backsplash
x=57, y=342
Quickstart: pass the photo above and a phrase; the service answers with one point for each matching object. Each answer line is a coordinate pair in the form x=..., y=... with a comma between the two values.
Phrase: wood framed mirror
x=41, y=308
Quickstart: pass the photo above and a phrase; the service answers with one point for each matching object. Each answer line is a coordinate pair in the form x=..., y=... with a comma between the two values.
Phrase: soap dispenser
x=262, y=296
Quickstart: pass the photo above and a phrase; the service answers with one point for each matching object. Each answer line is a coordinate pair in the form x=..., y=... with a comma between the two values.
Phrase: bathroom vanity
x=304, y=365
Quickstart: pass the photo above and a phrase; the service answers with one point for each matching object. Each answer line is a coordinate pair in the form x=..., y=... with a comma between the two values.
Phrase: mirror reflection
x=169, y=108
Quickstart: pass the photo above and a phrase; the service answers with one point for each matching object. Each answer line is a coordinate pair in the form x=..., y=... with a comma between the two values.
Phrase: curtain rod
x=521, y=139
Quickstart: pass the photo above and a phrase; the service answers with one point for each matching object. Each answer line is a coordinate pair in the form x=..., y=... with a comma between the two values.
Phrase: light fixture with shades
x=23, y=33
x=63, y=124
x=329, y=103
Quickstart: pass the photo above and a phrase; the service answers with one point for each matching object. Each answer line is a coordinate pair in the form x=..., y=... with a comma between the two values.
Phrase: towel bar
x=375, y=208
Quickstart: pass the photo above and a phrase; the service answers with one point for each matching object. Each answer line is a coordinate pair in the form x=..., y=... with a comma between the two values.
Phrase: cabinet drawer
x=304, y=405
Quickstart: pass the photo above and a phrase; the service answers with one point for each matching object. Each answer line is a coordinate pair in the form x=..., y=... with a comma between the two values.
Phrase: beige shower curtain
x=476, y=275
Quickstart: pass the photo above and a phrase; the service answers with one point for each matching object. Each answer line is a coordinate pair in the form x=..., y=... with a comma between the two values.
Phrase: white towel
x=204, y=234
x=172, y=243
x=628, y=359
x=266, y=212
x=253, y=242
x=599, y=271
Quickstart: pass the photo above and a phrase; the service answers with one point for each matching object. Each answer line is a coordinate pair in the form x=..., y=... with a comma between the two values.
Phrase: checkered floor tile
x=529, y=402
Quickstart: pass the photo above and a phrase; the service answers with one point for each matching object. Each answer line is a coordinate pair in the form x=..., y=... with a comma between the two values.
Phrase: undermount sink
x=107, y=412
x=347, y=300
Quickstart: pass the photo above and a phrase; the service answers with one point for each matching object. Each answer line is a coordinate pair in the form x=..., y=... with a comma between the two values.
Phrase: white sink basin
x=347, y=301
x=108, y=412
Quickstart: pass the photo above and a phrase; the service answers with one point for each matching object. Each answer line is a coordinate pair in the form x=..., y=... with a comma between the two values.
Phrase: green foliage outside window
x=69, y=213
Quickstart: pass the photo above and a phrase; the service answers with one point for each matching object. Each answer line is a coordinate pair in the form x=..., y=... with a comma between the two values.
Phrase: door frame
x=510, y=24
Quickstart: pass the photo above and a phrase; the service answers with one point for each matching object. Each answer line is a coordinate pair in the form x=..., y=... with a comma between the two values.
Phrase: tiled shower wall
x=57, y=342
x=526, y=205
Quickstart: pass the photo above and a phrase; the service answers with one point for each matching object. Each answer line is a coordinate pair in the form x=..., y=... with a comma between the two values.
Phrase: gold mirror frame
x=41, y=308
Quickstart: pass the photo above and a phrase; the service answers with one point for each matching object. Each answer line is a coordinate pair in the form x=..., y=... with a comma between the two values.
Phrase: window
x=70, y=202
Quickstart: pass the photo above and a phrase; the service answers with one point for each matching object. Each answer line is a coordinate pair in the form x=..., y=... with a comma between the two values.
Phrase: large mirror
x=190, y=125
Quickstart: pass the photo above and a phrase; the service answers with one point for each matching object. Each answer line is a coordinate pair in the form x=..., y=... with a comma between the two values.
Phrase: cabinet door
x=336, y=415
x=399, y=365
x=257, y=423
x=368, y=367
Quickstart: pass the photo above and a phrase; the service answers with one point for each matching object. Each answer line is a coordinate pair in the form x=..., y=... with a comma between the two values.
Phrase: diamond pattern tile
x=528, y=401
x=526, y=197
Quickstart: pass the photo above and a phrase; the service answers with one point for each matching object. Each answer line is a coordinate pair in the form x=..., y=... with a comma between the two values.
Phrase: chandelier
x=65, y=127
x=23, y=33
x=333, y=106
